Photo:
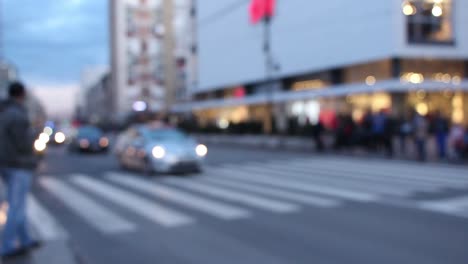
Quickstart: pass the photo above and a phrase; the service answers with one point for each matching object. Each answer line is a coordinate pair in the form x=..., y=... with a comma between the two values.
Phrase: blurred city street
x=253, y=206
x=233, y=132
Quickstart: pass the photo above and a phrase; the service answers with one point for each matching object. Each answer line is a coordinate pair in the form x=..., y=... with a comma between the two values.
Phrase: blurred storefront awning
x=388, y=86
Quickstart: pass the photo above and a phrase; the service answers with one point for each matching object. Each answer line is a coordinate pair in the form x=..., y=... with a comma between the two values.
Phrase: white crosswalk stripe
x=95, y=214
x=438, y=175
x=381, y=171
x=238, y=191
x=374, y=178
x=223, y=193
x=148, y=209
x=43, y=221
x=214, y=208
x=340, y=172
x=294, y=184
x=275, y=192
x=339, y=182
x=454, y=206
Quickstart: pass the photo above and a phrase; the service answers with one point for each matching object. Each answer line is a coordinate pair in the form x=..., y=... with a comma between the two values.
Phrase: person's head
x=17, y=91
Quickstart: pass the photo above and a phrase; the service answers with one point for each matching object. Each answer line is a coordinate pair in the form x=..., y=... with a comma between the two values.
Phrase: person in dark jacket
x=17, y=164
x=317, y=132
x=440, y=127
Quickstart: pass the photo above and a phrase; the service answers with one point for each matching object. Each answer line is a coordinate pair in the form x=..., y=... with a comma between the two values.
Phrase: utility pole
x=193, y=80
x=268, y=7
x=263, y=10
x=169, y=56
x=269, y=70
x=2, y=47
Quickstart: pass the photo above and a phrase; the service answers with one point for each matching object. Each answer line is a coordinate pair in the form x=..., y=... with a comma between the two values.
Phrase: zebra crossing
x=233, y=192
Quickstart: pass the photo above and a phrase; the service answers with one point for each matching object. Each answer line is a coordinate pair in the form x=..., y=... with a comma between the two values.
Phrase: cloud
x=49, y=93
x=55, y=39
x=52, y=24
x=74, y=3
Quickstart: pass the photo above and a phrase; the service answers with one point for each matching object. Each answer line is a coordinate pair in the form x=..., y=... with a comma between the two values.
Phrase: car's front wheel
x=148, y=169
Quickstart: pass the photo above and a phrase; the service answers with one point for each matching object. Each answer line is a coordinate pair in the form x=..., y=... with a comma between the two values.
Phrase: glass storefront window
x=309, y=82
x=369, y=73
x=307, y=110
x=309, y=85
x=418, y=71
x=451, y=104
x=376, y=102
x=429, y=21
x=458, y=115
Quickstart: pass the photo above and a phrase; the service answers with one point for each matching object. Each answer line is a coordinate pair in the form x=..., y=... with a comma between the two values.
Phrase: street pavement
x=251, y=206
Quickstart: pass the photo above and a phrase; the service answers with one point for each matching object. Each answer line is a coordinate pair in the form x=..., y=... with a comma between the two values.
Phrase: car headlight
x=44, y=138
x=60, y=137
x=159, y=152
x=104, y=142
x=201, y=150
x=40, y=145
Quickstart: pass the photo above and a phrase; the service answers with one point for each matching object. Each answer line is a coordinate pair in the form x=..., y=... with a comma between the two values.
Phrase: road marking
x=383, y=170
x=95, y=214
x=43, y=222
x=148, y=209
x=438, y=175
x=217, y=209
x=275, y=192
x=297, y=185
x=223, y=193
x=400, y=183
x=410, y=178
x=317, y=178
x=454, y=206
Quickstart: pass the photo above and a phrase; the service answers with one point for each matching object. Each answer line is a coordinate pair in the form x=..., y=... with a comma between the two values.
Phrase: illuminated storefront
x=421, y=85
x=412, y=57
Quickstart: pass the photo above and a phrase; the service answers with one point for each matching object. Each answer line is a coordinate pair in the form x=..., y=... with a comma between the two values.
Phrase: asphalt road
x=252, y=206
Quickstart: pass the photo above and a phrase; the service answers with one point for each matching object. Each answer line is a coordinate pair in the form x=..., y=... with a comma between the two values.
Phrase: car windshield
x=164, y=134
x=89, y=132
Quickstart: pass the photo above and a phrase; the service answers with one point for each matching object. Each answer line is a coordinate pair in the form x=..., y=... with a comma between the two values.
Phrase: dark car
x=89, y=139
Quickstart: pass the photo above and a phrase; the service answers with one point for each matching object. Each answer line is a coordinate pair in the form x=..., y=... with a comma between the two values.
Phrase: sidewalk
x=57, y=252
x=51, y=252
x=304, y=144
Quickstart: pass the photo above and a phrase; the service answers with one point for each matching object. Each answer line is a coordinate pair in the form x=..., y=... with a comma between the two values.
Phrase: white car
x=159, y=149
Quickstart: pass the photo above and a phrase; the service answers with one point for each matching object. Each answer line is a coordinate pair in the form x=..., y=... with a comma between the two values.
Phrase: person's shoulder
x=3, y=104
x=15, y=112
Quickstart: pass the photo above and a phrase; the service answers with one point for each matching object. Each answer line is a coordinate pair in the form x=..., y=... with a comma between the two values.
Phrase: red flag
x=256, y=11
x=260, y=9
x=270, y=6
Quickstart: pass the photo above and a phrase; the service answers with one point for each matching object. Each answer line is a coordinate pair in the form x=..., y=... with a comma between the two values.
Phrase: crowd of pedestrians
x=381, y=132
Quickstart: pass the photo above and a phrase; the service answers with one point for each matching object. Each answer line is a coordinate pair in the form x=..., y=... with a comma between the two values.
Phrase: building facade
x=97, y=108
x=8, y=73
x=331, y=57
x=142, y=53
x=36, y=111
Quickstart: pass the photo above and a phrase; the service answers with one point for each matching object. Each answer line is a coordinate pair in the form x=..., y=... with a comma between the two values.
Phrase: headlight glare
x=60, y=137
x=159, y=152
x=40, y=145
x=201, y=150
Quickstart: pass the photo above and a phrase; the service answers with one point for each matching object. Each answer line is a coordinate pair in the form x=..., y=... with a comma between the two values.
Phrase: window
x=369, y=72
x=429, y=21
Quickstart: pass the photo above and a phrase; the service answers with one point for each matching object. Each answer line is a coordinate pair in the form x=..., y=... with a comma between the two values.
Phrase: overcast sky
x=52, y=41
